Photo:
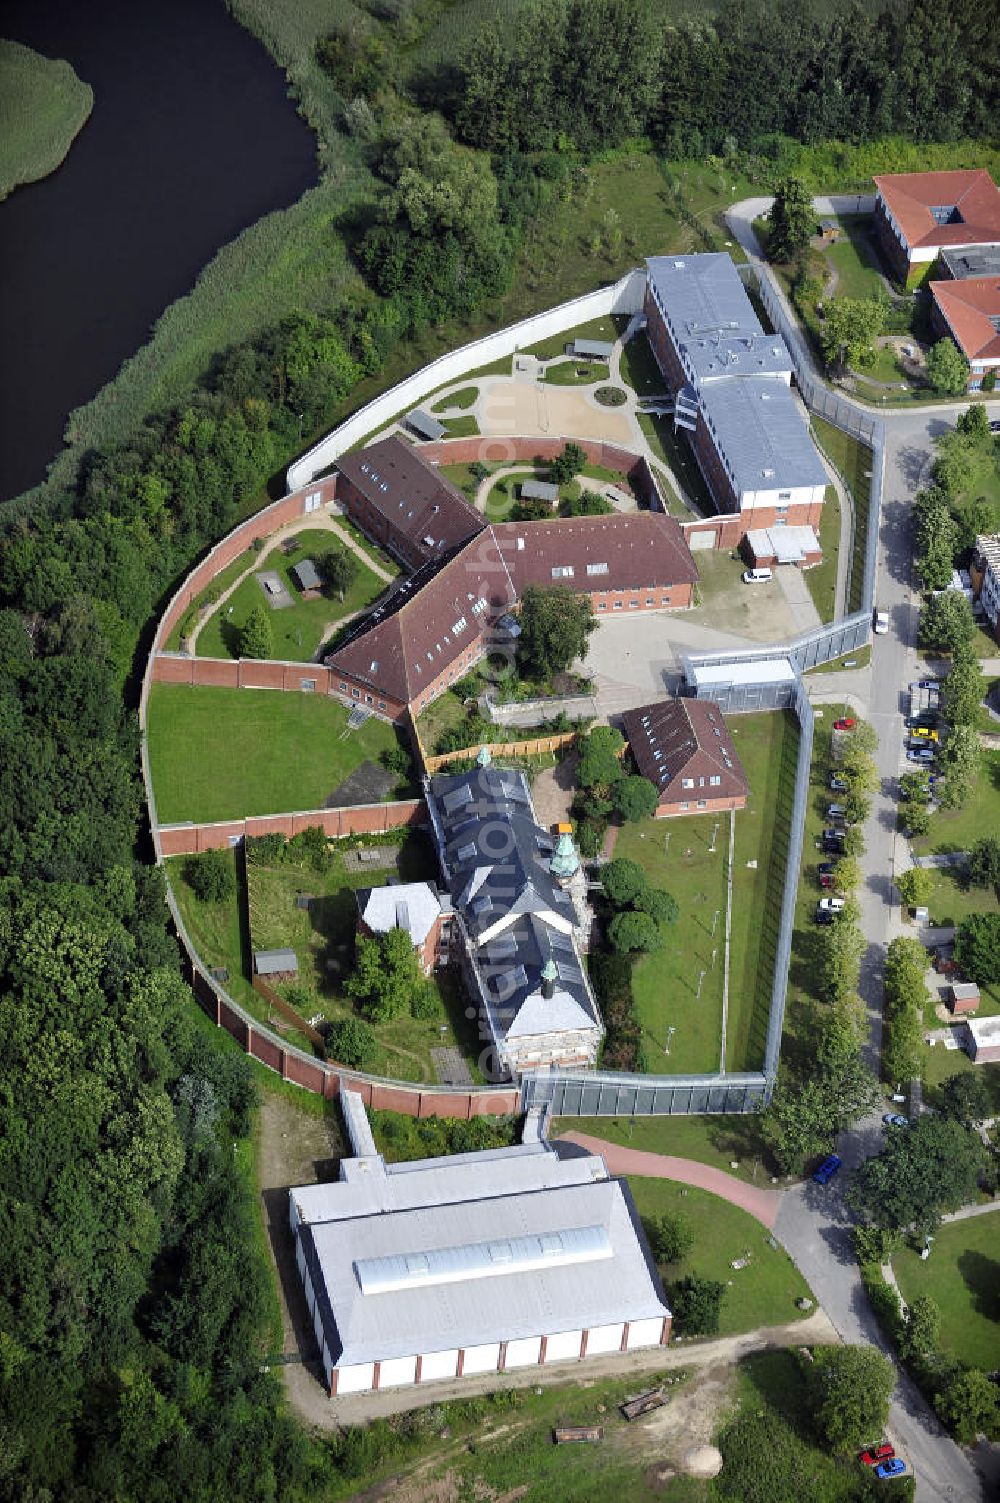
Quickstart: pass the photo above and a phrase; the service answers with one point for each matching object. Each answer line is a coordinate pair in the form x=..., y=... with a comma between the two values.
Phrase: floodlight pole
x=715, y=920
x=715, y=833
x=670, y=1033
x=701, y=977
x=666, y=841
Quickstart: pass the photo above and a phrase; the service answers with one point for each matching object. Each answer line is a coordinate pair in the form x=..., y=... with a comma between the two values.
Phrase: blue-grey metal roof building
x=306, y=575
x=592, y=349
x=539, y=490
x=760, y=436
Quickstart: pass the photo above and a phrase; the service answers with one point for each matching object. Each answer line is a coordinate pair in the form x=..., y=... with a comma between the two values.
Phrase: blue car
x=920, y=754
x=824, y=1174
x=893, y=1468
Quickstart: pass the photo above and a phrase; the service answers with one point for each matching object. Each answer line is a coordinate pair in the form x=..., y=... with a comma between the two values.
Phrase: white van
x=756, y=576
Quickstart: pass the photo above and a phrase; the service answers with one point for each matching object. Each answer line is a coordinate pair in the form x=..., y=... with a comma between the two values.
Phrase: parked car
x=927, y=732
x=928, y=683
x=926, y=717
x=836, y=811
x=829, y=1167
x=920, y=754
x=825, y=880
x=880, y=624
x=892, y=1468
x=833, y=842
x=875, y=1454
x=895, y=1119
x=995, y=425
x=837, y=784
x=845, y=723
x=830, y=905
x=823, y=917
x=756, y=576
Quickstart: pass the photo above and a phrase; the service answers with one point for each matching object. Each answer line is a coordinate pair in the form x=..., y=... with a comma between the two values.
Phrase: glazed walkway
x=763, y=1204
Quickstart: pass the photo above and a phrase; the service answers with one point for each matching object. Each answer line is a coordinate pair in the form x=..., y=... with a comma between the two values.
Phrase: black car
x=838, y=785
x=827, y=868
x=823, y=916
x=833, y=842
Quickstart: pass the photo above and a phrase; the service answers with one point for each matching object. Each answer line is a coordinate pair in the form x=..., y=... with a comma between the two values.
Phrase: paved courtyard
x=518, y=407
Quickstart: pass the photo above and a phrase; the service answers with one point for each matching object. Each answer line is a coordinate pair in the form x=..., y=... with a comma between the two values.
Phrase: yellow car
x=926, y=732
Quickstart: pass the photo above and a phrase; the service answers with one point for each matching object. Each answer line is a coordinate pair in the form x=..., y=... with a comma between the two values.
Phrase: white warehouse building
x=475, y=1263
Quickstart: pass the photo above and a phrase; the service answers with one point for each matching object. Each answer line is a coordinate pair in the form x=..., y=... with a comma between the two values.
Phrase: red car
x=875, y=1455
x=847, y=724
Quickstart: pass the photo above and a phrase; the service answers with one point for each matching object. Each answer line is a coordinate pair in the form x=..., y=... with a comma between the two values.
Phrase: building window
x=703, y=803
x=381, y=704
x=562, y=571
x=355, y=693
x=307, y=685
x=633, y=605
x=784, y=495
x=618, y=605
x=343, y=687
x=715, y=780
x=369, y=699
x=649, y=600
x=685, y=805
x=602, y=605
x=687, y=782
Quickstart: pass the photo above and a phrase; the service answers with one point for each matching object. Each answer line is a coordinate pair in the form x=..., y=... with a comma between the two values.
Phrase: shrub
x=211, y=876
x=670, y=1237
x=351, y=1042
x=696, y=1304
x=634, y=931
x=425, y=1003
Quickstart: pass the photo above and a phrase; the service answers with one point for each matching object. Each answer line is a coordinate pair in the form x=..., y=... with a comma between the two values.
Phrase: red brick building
x=403, y=504
x=416, y=907
x=730, y=381
x=684, y=748
x=969, y=312
x=443, y=619
x=920, y=214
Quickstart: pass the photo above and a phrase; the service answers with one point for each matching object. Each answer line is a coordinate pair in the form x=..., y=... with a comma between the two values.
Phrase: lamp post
x=715, y=833
x=701, y=977
x=670, y=1033
x=715, y=920
x=666, y=841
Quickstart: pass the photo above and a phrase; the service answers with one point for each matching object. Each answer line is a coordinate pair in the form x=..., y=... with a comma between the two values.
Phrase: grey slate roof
x=759, y=430
x=539, y=490
x=271, y=962
x=495, y=860
x=307, y=576
x=424, y=424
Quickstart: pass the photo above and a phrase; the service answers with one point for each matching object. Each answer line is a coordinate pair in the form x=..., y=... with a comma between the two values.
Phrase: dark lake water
x=191, y=139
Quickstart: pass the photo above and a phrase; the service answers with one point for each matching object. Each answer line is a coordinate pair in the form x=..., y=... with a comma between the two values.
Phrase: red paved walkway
x=760, y=1203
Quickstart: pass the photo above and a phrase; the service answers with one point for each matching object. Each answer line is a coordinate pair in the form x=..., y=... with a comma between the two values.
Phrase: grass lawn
x=575, y=373
x=854, y=461
x=677, y=454
x=676, y=854
x=767, y=745
x=460, y=427
x=822, y=579
x=323, y=940
x=958, y=829
x=221, y=936
x=596, y=328
x=462, y=477
x=855, y=258
x=962, y=1276
x=859, y=659
x=764, y=1293
x=300, y=628
x=466, y=396
x=441, y=715
x=43, y=104
x=719, y=1141
x=639, y=368
x=225, y=753
x=227, y=576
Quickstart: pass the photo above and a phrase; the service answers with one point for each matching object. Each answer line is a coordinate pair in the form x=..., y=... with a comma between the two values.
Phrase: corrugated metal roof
x=268, y=962
x=307, y=576
x=522, y=1300
x=539, y=490
x=427, y=426
x=766, y=671
x=703, y=294
x=593, y=349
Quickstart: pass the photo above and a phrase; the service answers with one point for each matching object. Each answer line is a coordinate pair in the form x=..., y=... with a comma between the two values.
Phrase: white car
x=830, y=905
x=881, y=623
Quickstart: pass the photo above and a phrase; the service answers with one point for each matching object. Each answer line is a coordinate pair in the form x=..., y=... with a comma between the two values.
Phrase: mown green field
x=962, y=1277
x=225, y=753
x=43, y=106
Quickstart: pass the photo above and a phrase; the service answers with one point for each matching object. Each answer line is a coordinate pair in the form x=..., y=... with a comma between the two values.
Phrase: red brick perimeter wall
x=288, y=509
x=325, y=1078
x=361, y=819
x=524, y=450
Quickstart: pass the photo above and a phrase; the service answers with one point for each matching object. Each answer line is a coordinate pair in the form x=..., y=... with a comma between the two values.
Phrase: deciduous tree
x=946, y=622
x=932, y=1168
x=636, y=798
x=850, y=329
x=850, y=1388
x=555, y=627
x=977, y=948
x=792, y=220
x=211, y=876
x=916, y=886
x=386, y=975
x=947, y=369
x=984, y=862
x=634, y=931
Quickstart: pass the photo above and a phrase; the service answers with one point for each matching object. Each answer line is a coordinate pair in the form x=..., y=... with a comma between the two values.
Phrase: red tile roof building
x=684, y=747
x=403, y=503
x=917, y=214
x=444, y=618
x=970, y=312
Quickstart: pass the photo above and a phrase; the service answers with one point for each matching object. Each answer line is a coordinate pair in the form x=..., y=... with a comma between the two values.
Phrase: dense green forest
x=135, y=1302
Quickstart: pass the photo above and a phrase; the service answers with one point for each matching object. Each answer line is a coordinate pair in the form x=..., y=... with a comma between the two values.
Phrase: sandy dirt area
x=520, y=407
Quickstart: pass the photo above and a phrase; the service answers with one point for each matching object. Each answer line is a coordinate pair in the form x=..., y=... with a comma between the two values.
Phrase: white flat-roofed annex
x=767, y=671
x=520, y=1302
